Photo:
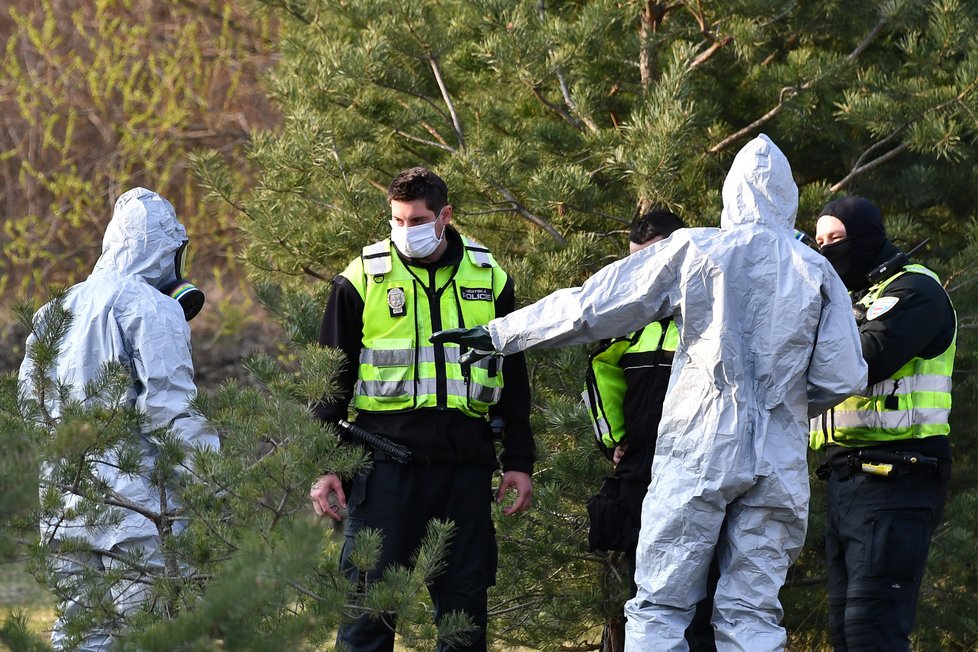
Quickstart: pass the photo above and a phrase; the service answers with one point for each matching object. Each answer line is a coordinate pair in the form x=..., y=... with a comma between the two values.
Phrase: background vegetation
x=554, y=123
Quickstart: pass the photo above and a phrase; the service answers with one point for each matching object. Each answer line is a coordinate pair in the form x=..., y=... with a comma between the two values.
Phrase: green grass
x=19, y=591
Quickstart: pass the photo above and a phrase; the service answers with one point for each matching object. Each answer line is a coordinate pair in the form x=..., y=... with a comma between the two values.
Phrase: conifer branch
x=527, y=215
x=652, y=16
x=572, y=104
x=704, y=56
x=434, y=132
x=424, y=141
x=788, y=93
x=564, y=91
x=856, y=171
x=708, y=35
x=567, y=117
x=859, y=167
x=456, y=122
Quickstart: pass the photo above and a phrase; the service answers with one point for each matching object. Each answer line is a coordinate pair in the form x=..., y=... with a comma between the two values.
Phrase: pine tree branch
x=527, y=215
x=653, y=13
x=856, y=171
x=572, y=104
x=708, y=34
x=411, y=93
x=705, y=56
x=567, y=117
x=309, y=593
x=424, y=141
x=790, y=92
x=114, y=499
x=456, y=122
x=859, y=167
x=575, y=122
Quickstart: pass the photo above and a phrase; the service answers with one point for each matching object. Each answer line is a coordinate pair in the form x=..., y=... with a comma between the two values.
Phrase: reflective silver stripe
x=395, y=357
x=588, y=403
x=426, y=386
x=891, y=420
x=481, y=257
x=485, y=393
x=377, y=258
x=908, y=384
x=384, y=388
x=926, y=272
x=601, y=430
x=598, y=422
x=387, y=357
x=478, y=253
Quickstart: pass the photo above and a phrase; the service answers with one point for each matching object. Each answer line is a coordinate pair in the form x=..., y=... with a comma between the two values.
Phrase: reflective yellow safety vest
x=912, y=404
x=604, y=393
x=399, y=369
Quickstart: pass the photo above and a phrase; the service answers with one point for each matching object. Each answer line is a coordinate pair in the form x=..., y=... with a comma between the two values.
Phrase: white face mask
x=416, y=241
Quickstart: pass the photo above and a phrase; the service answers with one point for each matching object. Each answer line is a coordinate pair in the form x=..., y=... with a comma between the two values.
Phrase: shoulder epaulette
x=377, y=258
x=478, y=254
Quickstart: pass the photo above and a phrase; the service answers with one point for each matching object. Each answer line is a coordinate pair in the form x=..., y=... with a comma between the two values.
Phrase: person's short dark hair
x=419, y=183
x=656, y=222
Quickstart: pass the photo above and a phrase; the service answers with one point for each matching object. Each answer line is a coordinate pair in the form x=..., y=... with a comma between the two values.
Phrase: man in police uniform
x=381, y=312
x=888, y=455
x=625, y=388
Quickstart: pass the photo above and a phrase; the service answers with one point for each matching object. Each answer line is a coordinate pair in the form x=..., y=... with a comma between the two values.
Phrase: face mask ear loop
x=443, y=226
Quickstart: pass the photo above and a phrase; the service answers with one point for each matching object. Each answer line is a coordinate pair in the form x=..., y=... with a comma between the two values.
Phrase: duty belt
x=876, y=462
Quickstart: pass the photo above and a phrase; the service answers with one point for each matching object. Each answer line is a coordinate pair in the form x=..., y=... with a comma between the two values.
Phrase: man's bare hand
x=328, y=497
x=524, y=491
x=619, y=453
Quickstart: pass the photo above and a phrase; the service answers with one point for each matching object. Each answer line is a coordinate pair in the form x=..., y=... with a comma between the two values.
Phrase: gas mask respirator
x=189, y=295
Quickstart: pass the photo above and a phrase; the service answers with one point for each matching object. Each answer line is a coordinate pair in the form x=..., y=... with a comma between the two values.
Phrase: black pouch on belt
x=607, y=518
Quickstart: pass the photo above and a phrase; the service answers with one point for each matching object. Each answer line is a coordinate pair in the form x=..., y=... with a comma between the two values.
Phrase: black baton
x=380, y=443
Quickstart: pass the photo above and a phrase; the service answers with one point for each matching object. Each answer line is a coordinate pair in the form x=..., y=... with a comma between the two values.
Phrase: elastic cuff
x=524, y=464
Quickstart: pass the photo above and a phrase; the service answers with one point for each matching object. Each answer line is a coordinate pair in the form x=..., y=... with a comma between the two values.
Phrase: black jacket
x=920, y=324
x=646, y=380
x=432, y=434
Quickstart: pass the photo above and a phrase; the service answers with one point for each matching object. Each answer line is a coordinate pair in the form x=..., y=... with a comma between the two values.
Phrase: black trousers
x=879, y=531
x=399, y=500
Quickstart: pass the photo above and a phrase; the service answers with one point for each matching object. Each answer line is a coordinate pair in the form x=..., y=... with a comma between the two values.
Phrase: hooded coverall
x=120, y=314
x=767, y=338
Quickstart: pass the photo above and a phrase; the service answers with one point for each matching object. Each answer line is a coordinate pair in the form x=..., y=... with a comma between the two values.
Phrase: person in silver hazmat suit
x=767, y=338
x=133, y=309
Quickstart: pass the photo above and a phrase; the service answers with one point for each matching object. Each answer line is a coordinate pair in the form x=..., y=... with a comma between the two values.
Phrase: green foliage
x=16, y=634
x=253, y=569
x=553, y=124
x=103, y=96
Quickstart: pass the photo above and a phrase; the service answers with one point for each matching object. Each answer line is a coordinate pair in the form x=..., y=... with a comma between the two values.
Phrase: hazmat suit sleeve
x=620, y=298
x=162, y=365
x=837, y=363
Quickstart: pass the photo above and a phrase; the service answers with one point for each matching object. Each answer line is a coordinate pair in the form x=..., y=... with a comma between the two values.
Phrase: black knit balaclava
x=854, y=257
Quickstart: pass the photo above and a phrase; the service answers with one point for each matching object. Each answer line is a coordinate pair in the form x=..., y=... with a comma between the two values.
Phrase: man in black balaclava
x=855, y=250
x=887, y=450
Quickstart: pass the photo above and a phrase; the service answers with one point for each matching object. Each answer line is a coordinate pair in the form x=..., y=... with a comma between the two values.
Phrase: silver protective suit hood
x=142, y=238
x=766, y=337
x=119, y=314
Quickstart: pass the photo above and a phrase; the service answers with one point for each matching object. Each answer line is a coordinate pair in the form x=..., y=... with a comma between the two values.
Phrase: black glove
x=477, y=339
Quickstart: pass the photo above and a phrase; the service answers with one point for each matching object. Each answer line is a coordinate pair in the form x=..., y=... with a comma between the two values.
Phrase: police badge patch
x=395, y=301
x=881, y=306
